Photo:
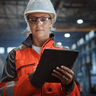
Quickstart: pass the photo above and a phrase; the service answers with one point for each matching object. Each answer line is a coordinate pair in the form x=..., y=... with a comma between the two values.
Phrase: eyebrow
x=37, y=16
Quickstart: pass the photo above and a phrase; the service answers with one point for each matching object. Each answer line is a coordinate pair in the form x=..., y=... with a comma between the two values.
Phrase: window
x=9, y=49
x=2, y=50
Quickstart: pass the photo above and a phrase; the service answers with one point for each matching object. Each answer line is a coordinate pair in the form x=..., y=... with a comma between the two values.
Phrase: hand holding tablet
x=50, y=59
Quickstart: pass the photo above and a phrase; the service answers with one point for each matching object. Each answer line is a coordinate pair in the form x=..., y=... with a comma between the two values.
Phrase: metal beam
x=14, y=0
x=79, y=7
x=57, y=4
x=11, y=17
x=69, y=29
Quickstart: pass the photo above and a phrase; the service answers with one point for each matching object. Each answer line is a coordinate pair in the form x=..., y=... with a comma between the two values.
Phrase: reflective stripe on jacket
x=23, y=61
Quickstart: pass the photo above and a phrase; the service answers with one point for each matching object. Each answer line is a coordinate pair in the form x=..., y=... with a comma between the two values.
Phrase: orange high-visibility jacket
x=20, y=63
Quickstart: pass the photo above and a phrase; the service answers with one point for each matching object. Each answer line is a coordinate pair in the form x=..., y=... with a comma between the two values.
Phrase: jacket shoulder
x=21, y=47
x=9, y=71
x=60, y=46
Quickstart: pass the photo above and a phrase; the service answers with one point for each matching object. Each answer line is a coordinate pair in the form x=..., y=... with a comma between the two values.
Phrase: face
x=41, y=28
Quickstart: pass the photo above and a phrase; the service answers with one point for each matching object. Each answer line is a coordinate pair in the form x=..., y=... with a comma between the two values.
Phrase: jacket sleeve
x=73, y=90
x=8, y=84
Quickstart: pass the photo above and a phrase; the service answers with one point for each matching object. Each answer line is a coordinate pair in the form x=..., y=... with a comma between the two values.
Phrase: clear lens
x=44, y=19
x=33, y=20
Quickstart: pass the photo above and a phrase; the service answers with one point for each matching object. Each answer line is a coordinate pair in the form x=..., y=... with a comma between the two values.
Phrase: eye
x=44, y=18
x=32, y=19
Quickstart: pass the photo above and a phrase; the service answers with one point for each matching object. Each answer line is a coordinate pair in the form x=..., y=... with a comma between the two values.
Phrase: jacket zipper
x=41, y=51
x=26, y=65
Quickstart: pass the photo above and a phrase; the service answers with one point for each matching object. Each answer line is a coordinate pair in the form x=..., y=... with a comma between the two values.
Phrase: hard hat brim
x=41, y=11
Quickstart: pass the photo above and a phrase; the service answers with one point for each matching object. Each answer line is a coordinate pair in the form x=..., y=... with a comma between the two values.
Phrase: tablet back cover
x=50, y=59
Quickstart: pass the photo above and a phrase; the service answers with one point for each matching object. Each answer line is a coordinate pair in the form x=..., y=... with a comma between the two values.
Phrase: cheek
x=48, y=26
x=32, y=28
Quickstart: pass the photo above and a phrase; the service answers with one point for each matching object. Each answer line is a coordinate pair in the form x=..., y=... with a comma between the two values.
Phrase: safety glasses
x=35, y=20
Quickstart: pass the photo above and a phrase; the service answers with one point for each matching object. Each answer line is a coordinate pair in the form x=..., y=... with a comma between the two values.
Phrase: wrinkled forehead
x=38, y=14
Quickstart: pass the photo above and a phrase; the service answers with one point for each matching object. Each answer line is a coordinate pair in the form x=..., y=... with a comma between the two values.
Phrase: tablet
x=50, y=59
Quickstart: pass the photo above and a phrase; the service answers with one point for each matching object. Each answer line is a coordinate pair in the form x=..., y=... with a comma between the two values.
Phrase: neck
x=38, y=42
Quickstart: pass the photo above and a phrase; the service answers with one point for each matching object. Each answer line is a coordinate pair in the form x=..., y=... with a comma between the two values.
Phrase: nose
x=38, y=22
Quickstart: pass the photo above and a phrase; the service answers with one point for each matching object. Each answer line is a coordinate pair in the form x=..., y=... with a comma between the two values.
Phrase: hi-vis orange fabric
x=26, y=59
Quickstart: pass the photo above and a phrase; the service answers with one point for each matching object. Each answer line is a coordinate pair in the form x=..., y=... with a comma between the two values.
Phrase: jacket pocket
x=25, y=69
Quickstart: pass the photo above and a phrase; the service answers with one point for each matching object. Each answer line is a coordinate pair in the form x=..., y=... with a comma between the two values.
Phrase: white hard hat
x=39, y=6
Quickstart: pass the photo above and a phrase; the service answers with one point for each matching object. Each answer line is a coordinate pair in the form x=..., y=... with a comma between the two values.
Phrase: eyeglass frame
x=37, y=18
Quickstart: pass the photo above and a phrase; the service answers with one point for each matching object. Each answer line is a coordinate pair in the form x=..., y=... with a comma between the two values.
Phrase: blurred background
x=75, y=28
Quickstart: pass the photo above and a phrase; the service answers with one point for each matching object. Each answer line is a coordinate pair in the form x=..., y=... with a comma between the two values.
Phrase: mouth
x=39, y=30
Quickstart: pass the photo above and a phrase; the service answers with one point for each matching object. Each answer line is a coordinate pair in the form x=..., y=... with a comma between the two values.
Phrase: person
x=22, y=61
x=1, y=67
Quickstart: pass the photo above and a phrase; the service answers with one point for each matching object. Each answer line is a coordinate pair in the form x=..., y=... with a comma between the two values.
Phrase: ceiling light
x=9, y=49
x=67, y=35
x=73, y=46
x=60, y=43
x=79, y=21
x=2, y=50
x=67, y=47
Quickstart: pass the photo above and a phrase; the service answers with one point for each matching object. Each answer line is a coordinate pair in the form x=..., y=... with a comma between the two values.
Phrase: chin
x=40, y=36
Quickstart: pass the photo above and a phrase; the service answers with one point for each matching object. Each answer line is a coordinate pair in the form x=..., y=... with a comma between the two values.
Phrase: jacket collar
x=28, y=40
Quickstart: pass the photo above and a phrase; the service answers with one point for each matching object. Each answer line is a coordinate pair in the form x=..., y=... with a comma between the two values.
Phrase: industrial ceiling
x=13, y=25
